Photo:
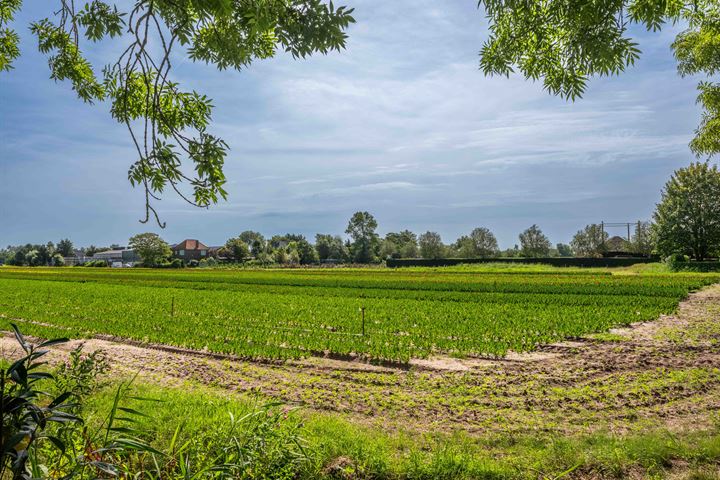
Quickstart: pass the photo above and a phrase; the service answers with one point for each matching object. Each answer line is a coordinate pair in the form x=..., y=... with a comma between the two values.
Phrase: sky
x=401, y=124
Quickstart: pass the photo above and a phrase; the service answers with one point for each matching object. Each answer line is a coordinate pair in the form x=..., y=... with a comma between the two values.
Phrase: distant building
x=190, y=250
x=617, y=247
x=124, y=256
x=77, y=258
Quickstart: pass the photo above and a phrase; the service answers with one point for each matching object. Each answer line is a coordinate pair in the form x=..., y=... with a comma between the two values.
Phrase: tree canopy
x=566, y=42
x=687, y=219
x=152, y=249
x=589, y=242
x=169, y=126
x=534, y=243
x=361, y=228
x=431, y=245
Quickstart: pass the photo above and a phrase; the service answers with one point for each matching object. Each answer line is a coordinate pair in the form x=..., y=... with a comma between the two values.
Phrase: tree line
x=686, y=222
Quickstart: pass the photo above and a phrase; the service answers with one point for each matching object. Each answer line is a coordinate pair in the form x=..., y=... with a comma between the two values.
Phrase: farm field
x=286, y=314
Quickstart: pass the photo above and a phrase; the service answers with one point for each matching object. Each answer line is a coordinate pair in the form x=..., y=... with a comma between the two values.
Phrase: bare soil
x=663, y=373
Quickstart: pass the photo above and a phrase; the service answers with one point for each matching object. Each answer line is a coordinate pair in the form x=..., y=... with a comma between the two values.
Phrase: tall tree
x=168, y=125
x=365, y=240
x=589, y=242
x=534, y=243
x=431, y=245
x=152, y=249
x=565, y=42
x=484, y=243
x=687, y=219
x=65, y=248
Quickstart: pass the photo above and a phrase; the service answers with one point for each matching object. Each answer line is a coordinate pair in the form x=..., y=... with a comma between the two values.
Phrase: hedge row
x=696, y=266
x=555, y=261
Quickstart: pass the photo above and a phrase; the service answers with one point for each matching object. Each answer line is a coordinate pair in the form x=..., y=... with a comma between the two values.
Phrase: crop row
x=255, y=315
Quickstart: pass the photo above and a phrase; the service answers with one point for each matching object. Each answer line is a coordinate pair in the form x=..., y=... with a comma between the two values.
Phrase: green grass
x=296, y=313
x=337, y=448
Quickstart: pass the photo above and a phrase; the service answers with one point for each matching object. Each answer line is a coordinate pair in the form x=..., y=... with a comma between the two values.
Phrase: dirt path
x=663, y=373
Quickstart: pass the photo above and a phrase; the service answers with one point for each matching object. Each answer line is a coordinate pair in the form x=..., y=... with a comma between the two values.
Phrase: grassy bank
x=330, y=447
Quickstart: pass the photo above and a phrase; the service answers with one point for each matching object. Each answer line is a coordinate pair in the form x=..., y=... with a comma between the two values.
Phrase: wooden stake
x=363, y=320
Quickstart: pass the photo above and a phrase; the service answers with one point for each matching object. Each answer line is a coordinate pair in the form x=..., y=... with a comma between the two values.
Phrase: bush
x=675, y=261
x=681, y=263
x=96, y=263
x=191, y=263
x=177, y=263
x=208, y=263
x=44, y=433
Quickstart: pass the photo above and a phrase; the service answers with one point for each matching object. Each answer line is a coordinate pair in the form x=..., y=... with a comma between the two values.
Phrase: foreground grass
x=335, y=448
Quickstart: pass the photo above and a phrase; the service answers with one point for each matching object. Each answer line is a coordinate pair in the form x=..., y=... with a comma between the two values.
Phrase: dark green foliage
x=27, y=412
x=65, y=248
x=687, y=219
x=681, y=263
x=331, y=247
x=564, y=43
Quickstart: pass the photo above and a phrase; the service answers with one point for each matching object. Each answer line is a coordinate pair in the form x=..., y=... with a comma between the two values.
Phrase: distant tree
x=293, y=256
x=361, y=229
x=31, y=258
x=331, y=247
x=65, y=248
x=484, y=243
x=687, y=219
x=254, y=240
x=589, y=242
x=513, y=252
x=643, y=240
x=564, y=250
x=58, y=260
x=534, y=243
x=463, y=248
x=236, y=249
x=400, y=245
x=151, y=249
x=389, y=249
x=307, y=254
x=92, y=250
x=280, y=256
x=431, y=245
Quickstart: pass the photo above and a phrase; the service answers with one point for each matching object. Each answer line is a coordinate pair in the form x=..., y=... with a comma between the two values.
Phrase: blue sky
x=401, y=124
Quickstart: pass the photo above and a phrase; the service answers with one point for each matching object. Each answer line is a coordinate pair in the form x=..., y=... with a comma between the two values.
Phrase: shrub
x=42, y=435
x=96, y=263
x=191, y=263
x=178, y=263
x=207, y=263
x=675, y=261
